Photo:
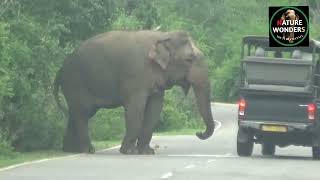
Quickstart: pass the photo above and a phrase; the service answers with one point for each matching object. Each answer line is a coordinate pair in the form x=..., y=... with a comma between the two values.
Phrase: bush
x=226, y=82
x=107, y=125
x=6, y=150
x=35, y=37
x=125, y=22
x=179, y=111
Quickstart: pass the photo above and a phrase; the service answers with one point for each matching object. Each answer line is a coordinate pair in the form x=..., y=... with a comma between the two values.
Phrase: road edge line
x=50, y=159
x=75, y=155
x=221, y=103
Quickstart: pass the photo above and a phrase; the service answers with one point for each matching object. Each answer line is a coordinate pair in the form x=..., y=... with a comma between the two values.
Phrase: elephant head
x=182, y=64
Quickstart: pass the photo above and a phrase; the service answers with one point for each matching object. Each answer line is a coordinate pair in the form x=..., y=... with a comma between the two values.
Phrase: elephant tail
x=57, y=84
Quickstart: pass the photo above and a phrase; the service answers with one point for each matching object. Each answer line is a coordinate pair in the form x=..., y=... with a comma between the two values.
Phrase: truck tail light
x=242, y=106
x=311, y=111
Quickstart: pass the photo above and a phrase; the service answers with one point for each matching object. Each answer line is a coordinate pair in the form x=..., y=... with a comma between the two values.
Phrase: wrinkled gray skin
x=130, y=69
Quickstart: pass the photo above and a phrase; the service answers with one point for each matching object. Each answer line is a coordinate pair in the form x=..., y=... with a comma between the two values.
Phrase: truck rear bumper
x=292, y=126
x=304, y=134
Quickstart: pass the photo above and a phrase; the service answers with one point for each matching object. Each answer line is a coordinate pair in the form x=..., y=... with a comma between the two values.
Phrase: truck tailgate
x=276, y=108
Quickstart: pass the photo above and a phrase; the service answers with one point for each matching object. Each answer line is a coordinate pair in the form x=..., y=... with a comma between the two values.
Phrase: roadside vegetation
x=36, y=36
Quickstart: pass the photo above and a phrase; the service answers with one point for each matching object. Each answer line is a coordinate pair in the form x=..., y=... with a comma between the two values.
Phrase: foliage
x=179, y=111
x=6, y=150
x=107, y=125
x=35, y=37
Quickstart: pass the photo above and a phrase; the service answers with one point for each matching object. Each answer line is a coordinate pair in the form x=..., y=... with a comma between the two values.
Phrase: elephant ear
x=160, y=54
x=162, y=51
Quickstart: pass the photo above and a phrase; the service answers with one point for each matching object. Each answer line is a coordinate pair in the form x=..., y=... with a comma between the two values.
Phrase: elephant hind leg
x=77, y=136
x=69, y=143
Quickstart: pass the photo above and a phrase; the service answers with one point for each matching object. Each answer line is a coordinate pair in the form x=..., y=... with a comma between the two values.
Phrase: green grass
x=36, y=155
x=29, y=156
x=105, y=144
x=177, y=132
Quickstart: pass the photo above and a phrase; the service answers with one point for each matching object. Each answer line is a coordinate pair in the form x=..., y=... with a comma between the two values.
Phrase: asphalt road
x=179, y=158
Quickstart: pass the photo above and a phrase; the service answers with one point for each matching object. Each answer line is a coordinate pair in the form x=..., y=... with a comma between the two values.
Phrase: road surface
x=179, y=158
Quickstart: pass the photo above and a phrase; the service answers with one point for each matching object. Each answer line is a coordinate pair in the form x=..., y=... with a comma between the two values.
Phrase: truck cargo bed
x=284, y=108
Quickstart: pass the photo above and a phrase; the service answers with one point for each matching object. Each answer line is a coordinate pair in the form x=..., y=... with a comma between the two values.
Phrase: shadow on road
x=281, y=157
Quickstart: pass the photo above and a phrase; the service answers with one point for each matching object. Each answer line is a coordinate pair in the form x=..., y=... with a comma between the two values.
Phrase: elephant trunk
x=201, y=87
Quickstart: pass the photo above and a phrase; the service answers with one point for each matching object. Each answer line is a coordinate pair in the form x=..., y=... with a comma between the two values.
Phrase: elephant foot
x=91, y=149
x=129, y=150
x=146, y=150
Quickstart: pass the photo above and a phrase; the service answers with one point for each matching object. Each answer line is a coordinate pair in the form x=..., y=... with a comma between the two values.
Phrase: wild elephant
x=132, y=70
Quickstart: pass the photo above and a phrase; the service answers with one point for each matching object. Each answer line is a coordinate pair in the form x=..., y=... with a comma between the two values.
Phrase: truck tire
x=316, y=153
x=244, y=143
x=268, y=149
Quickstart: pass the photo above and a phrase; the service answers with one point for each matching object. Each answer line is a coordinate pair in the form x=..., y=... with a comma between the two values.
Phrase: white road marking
x=167, y=175
x=108, y=149
x=190, y=166
x=36, y=162
x=50, y=159
x=218, y=126
x=223, y=104
x=211, y=160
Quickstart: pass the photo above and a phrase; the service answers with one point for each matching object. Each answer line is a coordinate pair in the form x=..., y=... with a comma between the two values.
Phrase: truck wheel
x=316, y=153
x=268, y=149
x=244, y=143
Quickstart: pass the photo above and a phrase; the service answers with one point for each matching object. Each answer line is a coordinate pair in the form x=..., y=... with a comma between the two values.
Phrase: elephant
x=130, y=69
x=289, y=15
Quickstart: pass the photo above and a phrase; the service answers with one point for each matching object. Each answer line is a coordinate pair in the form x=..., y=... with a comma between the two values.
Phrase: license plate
x=274, y=128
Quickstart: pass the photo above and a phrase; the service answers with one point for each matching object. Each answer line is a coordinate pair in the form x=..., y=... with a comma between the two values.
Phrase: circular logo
x=289, y=26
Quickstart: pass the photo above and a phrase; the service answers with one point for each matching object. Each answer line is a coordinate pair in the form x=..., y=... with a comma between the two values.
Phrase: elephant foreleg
x=151, y=118
x=134, y=114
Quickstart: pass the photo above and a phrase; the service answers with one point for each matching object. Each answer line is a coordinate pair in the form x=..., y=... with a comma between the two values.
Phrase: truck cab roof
x=263, y=42
x=278, y=69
